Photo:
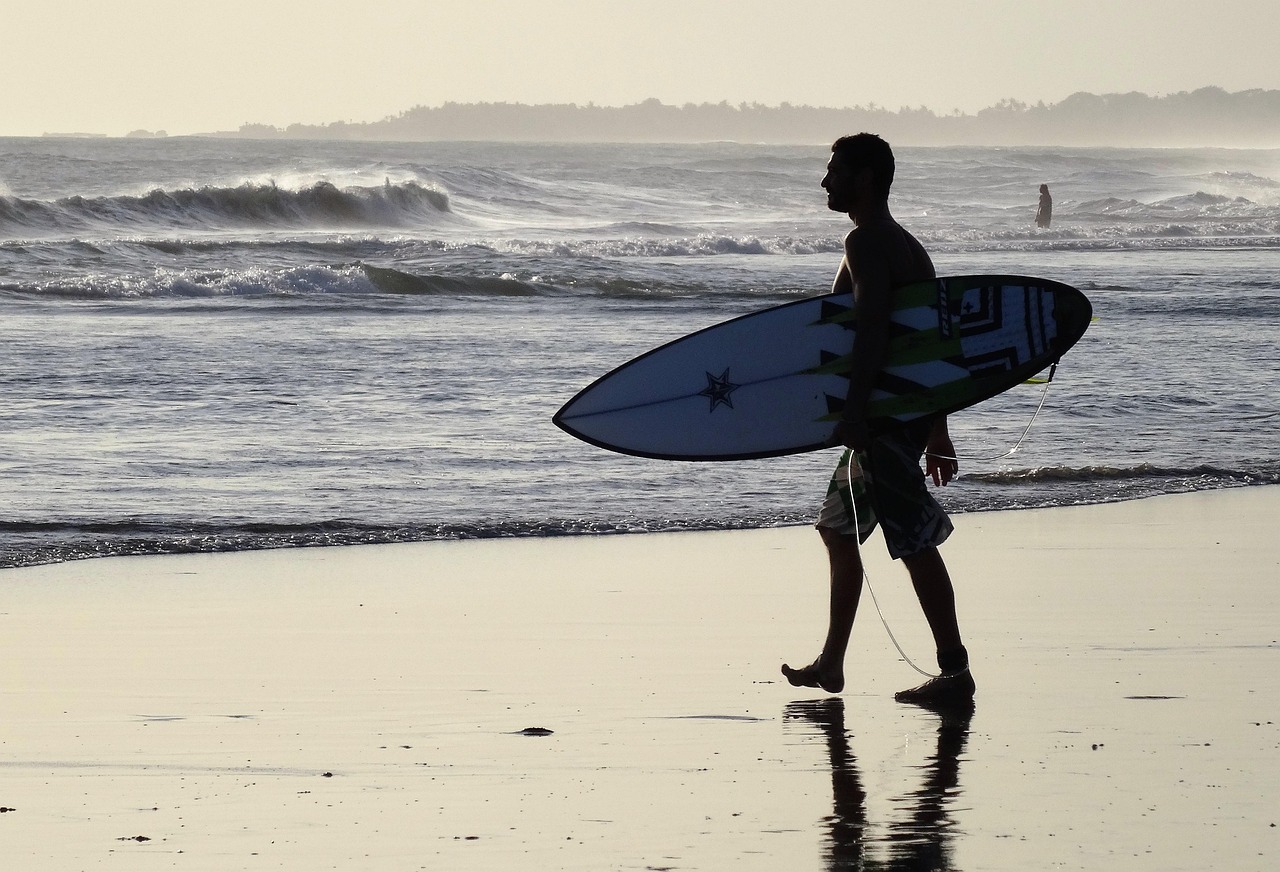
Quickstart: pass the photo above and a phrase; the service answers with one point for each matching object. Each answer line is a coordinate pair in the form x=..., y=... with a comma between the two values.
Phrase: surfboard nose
x=1073, y=312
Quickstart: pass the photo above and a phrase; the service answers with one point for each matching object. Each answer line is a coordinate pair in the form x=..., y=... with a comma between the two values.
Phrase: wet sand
x=614, y=703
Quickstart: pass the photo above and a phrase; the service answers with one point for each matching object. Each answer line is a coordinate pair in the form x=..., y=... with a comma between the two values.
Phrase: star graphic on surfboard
x=718, y=390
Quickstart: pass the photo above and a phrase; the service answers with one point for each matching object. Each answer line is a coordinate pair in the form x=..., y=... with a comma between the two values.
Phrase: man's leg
x=827, y=671
x=937, y=598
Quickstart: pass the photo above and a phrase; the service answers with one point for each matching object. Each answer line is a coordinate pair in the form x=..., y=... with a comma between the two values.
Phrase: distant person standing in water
x=878, y=478
x=1044, y=211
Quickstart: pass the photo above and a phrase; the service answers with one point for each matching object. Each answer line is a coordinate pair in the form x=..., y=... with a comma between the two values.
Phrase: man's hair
x=868, y=150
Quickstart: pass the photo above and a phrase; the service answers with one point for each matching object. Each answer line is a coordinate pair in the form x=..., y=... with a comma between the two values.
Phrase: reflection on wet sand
x=919, y=843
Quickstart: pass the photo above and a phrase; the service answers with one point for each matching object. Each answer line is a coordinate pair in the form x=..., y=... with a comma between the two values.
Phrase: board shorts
x=890, y=491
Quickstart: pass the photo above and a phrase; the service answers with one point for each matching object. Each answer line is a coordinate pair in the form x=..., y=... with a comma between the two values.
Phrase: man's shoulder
x=888, y=245
x=884, y=230
x=873, y=235
x=881, y=236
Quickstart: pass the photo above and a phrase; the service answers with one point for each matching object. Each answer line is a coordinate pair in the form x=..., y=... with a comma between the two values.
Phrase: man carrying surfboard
x=878, y=480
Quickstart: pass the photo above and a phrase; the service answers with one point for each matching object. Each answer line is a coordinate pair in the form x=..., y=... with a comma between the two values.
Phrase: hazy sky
x=112, y=66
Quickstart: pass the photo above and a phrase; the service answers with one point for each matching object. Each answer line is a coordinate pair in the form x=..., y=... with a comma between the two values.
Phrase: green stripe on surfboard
x=919, y=346
x=924, y=401
x=919, y=402
x=918, y=296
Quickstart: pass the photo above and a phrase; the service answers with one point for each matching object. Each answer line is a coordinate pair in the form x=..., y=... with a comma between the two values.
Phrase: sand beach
x=614, y=702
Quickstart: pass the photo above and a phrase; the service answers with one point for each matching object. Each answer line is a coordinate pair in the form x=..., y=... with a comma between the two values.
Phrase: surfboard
x=774, y=382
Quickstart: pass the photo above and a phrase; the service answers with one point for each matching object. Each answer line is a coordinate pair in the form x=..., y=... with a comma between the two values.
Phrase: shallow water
x=216, y=344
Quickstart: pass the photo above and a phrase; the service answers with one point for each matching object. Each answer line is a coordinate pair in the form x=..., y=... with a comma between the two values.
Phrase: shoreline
x=291, y=536
x=379, y=706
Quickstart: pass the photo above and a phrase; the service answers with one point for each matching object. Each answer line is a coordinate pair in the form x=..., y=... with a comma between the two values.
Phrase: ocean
x=219, y=344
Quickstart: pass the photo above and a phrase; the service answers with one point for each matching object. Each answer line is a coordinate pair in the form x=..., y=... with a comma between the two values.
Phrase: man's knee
x=927, y=567
x=838, y=542
x=925, y=557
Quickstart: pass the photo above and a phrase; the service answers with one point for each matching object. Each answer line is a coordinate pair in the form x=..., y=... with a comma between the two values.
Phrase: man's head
x=861, y=165
x=870, y=151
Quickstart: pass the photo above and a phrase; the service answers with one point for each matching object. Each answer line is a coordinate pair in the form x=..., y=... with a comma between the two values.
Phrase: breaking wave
x=252, y=205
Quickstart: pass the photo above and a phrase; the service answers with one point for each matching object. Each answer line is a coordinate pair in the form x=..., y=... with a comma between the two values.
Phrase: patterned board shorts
x=888, y=488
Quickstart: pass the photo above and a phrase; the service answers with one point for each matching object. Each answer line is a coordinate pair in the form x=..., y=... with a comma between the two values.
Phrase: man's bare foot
x=816, y=674
x=943, y=692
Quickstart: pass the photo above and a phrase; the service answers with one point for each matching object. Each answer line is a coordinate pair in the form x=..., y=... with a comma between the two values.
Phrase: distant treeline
x=1206, y=117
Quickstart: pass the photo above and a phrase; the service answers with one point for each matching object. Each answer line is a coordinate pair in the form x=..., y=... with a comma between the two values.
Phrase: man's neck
x=873, y=214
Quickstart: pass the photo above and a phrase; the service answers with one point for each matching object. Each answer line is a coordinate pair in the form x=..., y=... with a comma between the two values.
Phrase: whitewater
x=220, y=344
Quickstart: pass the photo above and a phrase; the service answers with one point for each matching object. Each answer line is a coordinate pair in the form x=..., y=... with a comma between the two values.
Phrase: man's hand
x=852, y=434
x=940, y=456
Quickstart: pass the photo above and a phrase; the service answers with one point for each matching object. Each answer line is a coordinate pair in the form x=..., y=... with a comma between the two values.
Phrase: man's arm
x=939, y=454
x=869, y=270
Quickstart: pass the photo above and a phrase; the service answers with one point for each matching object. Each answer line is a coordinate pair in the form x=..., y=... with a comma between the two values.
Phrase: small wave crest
x=356, y=284
x=394, y=281
x=1196, y=477
x=254, y=282
x=321, y=205
x=353, y=280
x=698, y=245
x=1146, y=237
x=35, y=544
x=1197, y=205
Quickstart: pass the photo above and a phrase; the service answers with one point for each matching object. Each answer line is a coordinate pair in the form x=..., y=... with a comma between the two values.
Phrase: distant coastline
x=133, y=134
x=1208, y=117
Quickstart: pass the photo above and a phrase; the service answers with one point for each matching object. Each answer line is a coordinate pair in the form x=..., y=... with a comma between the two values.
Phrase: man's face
x=841, y=184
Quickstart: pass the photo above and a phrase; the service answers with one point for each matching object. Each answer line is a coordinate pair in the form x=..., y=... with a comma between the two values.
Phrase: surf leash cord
x=866, y=578
x=853, y=503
